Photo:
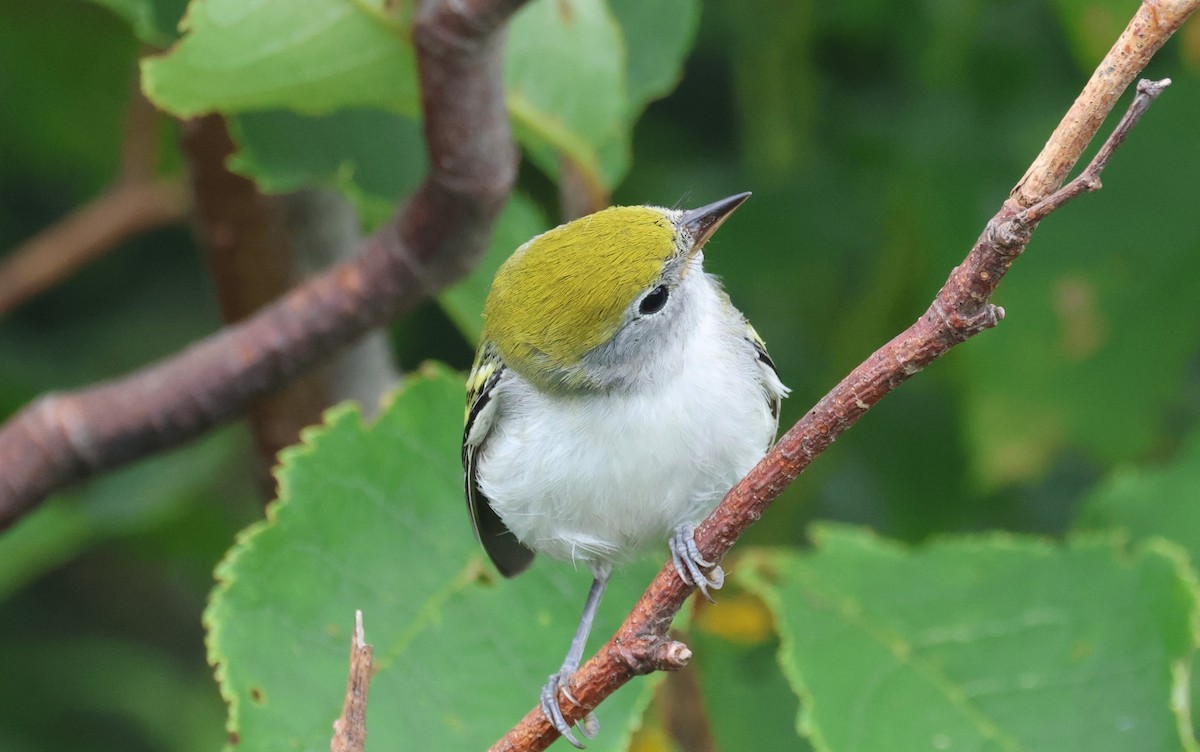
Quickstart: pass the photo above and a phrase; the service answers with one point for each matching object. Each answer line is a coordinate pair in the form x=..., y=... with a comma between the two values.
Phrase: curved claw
x=587, y=728
x=690, y=565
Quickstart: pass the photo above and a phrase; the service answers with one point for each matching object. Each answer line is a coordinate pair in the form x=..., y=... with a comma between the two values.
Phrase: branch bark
x=961, y=309
x=431, y=242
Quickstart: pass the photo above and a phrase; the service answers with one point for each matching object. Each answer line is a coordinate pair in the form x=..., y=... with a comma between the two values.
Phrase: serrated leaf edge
x=759, y=566
x=311, y=438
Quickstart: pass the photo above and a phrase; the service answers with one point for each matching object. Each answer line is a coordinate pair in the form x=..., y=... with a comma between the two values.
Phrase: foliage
x=877, y=137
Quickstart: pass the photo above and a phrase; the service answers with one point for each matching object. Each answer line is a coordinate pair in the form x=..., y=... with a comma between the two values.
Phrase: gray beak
x=703, y=222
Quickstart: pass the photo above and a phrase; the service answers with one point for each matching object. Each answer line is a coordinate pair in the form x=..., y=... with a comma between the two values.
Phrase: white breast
x=598, y=478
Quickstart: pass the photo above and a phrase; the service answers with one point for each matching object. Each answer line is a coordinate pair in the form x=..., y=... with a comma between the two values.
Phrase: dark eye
x=654, y=301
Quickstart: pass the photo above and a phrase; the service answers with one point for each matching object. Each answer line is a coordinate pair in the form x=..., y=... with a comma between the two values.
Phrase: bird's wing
x=509, y=555
x=773, y=388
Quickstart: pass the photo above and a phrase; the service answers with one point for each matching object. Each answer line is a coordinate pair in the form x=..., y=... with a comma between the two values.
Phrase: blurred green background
x=877, y=137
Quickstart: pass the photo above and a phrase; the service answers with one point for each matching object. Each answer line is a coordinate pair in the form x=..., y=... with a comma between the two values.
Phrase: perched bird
x=616, y=396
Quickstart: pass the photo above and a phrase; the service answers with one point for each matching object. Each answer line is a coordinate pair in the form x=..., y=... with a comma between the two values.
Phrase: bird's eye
x=654, y=301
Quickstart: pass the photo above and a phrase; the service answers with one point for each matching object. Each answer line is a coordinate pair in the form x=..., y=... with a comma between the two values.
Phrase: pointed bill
x=703, y=222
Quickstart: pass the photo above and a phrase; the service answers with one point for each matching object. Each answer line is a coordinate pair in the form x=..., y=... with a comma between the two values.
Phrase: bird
x=615, y=397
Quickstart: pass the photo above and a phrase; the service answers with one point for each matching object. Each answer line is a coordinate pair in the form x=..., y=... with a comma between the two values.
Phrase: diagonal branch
x=961, y=309
x=435, y=239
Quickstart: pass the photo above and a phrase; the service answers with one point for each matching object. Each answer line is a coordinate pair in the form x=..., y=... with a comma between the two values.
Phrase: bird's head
x=577, y=307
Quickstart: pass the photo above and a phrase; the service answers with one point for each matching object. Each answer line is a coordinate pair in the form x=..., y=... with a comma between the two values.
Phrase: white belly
x=600, y=478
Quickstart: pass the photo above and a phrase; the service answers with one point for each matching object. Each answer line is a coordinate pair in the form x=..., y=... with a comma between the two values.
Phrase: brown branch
x=431, y=242
x=350, y=729
x=244, y=239
x=1149, y=29
x=960, y=310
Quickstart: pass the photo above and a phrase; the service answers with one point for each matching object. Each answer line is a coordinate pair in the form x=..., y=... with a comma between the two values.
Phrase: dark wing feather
x=509, y=555
x=774, y=400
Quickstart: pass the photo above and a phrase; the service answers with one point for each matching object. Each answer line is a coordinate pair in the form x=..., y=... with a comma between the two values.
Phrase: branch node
x=1009, y=236
x=672, y=656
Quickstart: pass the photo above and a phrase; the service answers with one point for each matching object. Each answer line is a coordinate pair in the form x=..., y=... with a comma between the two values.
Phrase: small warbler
x=616, y=396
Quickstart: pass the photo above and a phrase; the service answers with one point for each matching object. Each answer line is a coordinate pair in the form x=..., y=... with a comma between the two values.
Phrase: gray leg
x=690, y=565
x=561, y=680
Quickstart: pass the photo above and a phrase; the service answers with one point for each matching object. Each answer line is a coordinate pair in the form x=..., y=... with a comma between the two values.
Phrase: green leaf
x=374, y=157
x=463, y=303
x=155, y=22
x=991, y=642
x=574, y=86
x=311, y=56
x=609, y=62
x=373, y=518
x=1149, y=502
x=657, y=39
x=565, y=71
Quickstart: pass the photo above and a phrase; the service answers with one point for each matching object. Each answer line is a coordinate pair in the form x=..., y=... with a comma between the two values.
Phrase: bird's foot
x=588, y=727
x=691, y=565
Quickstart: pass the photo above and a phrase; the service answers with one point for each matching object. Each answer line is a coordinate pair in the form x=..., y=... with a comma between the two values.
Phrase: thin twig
x=961, y=309
x=1151, y=26
x=350, y=729
x=434, y=240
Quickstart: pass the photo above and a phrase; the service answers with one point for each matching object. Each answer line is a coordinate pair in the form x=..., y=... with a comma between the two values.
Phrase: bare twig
x=435, y=239
x=1149, y=29
x=350, y=729
x=961, y=310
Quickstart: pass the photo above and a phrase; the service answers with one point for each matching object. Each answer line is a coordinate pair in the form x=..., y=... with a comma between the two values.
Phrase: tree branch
x=960, y=310
x=431, y=242
x=1149, y=29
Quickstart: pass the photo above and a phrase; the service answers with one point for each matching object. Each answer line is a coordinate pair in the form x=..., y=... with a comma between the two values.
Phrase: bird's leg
x=561, y=680
x=690, y=565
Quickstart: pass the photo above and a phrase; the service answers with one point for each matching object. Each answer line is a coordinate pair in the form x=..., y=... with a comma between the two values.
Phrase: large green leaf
x=373, y=518
x=577, y=102
x=1148, y=502
x=994, y=642
x=578, y=76
x=373, y=156
x=312, y=56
